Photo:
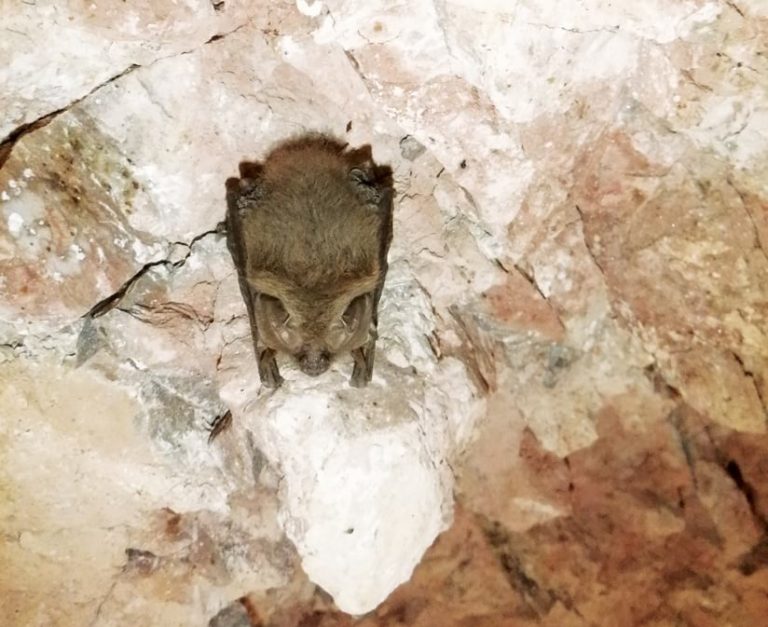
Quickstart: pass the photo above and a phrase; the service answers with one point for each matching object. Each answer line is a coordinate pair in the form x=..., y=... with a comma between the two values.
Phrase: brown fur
x=310, y=226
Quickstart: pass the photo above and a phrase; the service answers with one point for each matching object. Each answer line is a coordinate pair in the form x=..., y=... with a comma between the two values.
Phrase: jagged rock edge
x=113, y=300
x=7, y=143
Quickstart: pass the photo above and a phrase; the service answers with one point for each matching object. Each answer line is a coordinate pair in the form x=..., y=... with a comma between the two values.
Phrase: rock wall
x=573, y=332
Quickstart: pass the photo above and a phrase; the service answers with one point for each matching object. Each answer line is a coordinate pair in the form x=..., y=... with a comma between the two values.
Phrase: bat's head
x=314, y=332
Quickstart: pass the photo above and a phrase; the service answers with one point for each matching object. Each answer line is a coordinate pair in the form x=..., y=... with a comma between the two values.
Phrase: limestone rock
x=572, y=338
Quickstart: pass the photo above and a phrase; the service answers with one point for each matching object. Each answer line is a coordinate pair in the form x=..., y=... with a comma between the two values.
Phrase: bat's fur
x=309, y=230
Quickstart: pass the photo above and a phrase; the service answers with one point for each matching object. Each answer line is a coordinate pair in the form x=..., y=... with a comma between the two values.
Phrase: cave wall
x=571, y=371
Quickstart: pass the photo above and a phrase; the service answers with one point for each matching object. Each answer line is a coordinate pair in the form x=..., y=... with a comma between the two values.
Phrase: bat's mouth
x=314, y=363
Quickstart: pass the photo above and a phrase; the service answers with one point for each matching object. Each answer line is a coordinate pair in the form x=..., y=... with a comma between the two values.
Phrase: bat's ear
x=233, y=185
x=251, y=170
x=360, y=162
x=247, y=185
x=360, y=157
x=372, y=182
x=250, y=174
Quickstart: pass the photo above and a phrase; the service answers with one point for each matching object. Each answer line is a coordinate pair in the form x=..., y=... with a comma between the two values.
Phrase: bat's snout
x=314, y=363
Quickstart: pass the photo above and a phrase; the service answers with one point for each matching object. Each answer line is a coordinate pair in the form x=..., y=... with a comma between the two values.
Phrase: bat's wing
x=242, y=195
x=385, y=204
x=379, y=181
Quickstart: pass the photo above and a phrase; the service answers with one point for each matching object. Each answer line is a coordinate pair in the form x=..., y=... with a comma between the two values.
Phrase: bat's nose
x=314, y=363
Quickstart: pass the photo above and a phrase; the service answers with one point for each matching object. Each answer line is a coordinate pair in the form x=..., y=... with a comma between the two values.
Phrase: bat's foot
x=268, y=370
x=359, y=379
x=362, y=371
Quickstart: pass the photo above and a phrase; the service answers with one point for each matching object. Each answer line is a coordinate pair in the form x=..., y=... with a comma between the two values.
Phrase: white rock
x=361, y=503
x=15, y=222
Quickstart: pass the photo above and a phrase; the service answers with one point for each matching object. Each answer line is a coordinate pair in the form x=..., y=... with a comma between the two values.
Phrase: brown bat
x=309, y=230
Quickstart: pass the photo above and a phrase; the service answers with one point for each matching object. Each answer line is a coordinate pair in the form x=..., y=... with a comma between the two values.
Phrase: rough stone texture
x=573, y=331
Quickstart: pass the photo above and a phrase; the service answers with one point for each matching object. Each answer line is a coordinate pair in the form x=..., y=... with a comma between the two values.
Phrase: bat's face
x=314, y=338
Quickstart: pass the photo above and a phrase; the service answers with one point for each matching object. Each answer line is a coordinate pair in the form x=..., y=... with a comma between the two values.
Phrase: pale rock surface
x=54, y=53
x=573, y=324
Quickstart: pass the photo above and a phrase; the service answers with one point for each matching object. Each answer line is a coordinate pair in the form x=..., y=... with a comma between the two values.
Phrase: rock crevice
x=572, y=367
